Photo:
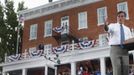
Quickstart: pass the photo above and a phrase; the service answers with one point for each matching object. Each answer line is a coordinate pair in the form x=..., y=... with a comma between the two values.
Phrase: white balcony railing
x=29, y=54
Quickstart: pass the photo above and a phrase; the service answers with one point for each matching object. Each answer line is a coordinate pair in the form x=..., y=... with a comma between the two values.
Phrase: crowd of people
x=86, y=71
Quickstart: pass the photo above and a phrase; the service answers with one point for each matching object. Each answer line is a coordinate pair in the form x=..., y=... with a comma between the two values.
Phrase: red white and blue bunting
x=60, y=49
x=36, y=53
x=86, y=44
x=14, y=57
x=56, y=50
x=59, y=29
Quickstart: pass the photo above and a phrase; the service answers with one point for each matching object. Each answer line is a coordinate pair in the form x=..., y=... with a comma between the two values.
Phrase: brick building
x=83, y=20
x=69, y=31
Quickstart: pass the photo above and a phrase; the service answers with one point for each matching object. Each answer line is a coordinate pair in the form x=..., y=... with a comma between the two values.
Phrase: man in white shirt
x=118, y=34
x=114, y=30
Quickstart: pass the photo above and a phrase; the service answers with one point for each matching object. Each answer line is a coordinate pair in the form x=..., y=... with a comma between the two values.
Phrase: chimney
x=50, y=1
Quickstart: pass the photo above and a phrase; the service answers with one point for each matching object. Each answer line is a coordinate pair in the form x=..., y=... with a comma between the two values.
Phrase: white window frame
x=48, y=49
x=100, y=16
x=65, y=24
x=82, y=20
x=46, y=25
x=33, y=31
x=103, y=39
x=125, y=4
x=83, y=39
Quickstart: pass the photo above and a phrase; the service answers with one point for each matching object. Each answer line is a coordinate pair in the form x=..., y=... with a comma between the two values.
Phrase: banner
x=60, y=49
x=86, y=44
x=14, y=57
x=36, y=53
x=58, y=29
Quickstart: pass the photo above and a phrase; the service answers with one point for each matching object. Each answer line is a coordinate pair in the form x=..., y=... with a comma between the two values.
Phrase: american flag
x=21, y=18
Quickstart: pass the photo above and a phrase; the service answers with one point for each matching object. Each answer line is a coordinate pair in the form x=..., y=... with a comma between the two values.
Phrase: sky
x=30, y=3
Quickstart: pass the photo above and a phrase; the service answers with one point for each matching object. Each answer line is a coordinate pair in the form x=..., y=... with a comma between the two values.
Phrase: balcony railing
x=55, y=50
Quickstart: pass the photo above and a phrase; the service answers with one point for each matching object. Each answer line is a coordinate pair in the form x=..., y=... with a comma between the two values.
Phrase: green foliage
x=2, y=33
x=11, y=22
x=21, y=6
x=8, y=25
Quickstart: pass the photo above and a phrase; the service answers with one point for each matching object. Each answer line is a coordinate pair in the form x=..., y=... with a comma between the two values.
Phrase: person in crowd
x=80, y=70
x=86, y=72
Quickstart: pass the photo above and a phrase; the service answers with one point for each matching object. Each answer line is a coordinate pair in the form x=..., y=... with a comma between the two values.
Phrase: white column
x=24, y=71
x=73, y=68
x=55, y=70
x=3, y=73
x=46, y=69
x=103, y=66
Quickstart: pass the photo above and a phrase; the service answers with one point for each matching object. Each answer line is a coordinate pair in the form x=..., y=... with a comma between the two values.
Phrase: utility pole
x=18, y=38
x=20, y=20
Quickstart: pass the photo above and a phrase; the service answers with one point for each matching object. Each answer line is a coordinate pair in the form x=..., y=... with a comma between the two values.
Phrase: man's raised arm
x=106, y=25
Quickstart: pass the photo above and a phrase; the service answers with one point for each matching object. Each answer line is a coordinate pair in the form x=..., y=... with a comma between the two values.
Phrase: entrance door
x=51, y=71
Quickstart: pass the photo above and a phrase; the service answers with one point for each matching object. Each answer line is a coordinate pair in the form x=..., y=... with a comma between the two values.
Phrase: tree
x=21, y=6
x=2, y=33
x=11, y=23
x=8, y=24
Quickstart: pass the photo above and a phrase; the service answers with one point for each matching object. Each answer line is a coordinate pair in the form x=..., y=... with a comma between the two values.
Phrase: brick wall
x=93, y=29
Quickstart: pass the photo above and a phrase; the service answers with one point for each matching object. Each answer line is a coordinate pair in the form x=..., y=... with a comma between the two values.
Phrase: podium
x=129, y=44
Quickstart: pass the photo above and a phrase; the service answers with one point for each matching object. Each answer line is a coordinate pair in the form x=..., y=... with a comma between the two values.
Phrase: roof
x=54, y=7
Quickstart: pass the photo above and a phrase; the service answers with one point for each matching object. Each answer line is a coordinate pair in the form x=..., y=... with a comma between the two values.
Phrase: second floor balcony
x=51, y=53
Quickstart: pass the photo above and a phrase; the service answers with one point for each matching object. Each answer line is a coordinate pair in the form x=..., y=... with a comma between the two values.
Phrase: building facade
x=66, y=37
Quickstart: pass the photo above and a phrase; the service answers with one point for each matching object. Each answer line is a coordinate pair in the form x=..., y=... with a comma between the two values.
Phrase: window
x=103, y=39
x=65, y=24
x=48, y=28
x=48, y=49
x=101, y=14
x=82, y=20
x=123, y=7
x=33, y=31
x=83, y=39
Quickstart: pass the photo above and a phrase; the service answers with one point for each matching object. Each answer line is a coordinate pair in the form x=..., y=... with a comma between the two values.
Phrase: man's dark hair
x=122, y=12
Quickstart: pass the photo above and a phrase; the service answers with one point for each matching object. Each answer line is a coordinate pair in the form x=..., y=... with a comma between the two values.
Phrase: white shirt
x=114, y=30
